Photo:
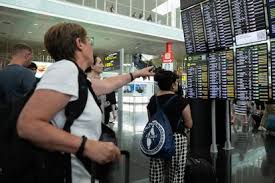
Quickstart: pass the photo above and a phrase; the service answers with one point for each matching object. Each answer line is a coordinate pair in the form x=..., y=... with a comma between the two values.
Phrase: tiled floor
x=247, y=163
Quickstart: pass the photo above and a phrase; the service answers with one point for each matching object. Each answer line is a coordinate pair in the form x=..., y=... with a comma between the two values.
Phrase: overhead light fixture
x=29, y=32
x=43, y=50
x=35, y=24
x=167, y=7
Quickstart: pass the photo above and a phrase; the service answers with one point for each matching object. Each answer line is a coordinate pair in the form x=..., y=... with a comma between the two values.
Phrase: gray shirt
x=15, y=81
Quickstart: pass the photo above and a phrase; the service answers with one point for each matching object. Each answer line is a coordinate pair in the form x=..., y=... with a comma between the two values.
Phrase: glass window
x=75, y=1
x=100, y=4
x=137, y=9
x=123, y=7
x=160, y=10
x=90, y=3
x=149, y=14
x=110, y=6
x=178, y=18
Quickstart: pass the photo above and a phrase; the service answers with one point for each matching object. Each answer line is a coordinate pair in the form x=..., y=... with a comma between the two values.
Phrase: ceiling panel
x=21, y=26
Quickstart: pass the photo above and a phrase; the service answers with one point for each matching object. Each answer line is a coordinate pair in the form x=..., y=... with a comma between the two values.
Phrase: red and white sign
x=168, y=57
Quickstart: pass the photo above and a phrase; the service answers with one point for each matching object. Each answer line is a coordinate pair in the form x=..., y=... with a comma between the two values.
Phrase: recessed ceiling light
x=29, y=32
x=35, y=24
x=43, y=50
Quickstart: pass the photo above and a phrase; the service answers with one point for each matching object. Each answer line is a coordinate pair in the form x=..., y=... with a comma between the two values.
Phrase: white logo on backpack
x=155, y=138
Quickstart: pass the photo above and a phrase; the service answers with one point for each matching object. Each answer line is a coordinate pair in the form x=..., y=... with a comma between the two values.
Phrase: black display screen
x=187, y=3
x=193, y=29
x=217, y=24
x=221, y=74
x=271, y=17
x=248, y=16
x=111, y=62
x=273, y=69
x=197, y=77
x=252, y=73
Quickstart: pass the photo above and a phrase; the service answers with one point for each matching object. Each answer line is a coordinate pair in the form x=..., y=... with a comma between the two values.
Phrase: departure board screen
x=271, y=17
x=187, y=3
x=252, y=73
x=192, y=23
x=273, y=69
x=221, y=74
x=248, y=16
x=217, y=24
x=197, y=77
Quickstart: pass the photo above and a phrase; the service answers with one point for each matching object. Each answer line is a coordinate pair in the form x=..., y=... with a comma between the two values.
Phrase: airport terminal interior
x=222, y=50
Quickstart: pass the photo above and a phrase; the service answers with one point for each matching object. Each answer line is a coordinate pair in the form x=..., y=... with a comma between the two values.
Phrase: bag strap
x=75, y=108
x=159, y=107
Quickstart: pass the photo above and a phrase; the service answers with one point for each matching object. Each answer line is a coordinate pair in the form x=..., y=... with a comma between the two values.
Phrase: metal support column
x=120, y=98
x=213, y=148
x=227, y=145
x=156, y=15
x=131, y=4
x=116, y=7
x=143, y=9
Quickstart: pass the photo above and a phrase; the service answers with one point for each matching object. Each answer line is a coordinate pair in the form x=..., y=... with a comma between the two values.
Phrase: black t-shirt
x=15, y=81
x=111, y=97
x=173, y=111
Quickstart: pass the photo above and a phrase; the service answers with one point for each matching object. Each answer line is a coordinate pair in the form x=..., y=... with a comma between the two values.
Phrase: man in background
x=15, y=79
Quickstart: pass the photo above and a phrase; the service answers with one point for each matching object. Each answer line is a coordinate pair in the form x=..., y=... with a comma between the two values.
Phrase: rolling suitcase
x=198, y=169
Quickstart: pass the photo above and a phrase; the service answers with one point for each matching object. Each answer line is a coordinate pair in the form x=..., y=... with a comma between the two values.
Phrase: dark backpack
x=22, y=162
x=157, y=140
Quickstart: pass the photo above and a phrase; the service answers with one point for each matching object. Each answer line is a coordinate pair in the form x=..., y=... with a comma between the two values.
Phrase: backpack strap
x=75, y=108
x=72, y=111
x=159, y=107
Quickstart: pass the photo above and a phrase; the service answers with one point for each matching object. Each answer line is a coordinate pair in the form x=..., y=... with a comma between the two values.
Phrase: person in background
x=15, y=79
x=240, y=115
x=268, y=119
x=108, y=101
x=33, y=67
x=42, y=118
x=111, y=107
x=179, y=108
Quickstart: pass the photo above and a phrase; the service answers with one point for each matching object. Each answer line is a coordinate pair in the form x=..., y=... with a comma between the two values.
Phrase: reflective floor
x=248, y=162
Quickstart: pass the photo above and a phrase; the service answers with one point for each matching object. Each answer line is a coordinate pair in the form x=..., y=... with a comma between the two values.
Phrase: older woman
x=68, y=43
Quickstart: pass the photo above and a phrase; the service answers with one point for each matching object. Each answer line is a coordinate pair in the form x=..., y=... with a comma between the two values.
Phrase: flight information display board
x=187, y=3
x=273, y=69
x=217, y=24
x=197, y=77
x=252, y=73
x=221, y=74
x=248, y=16
x=271, y=17
x=192, y=23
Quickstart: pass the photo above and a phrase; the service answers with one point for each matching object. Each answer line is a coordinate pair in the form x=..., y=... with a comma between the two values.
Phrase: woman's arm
x=33, y=125
x=186, y=115
x=110, y=84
